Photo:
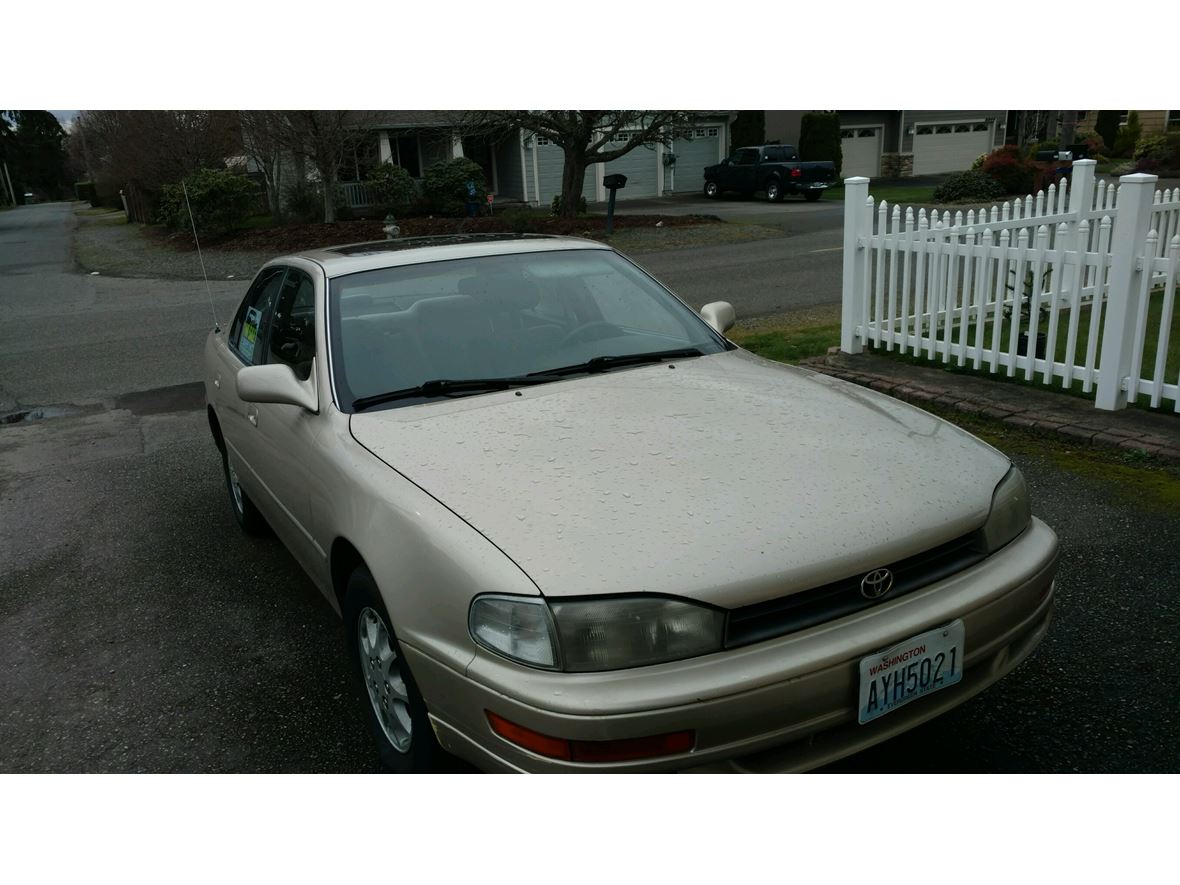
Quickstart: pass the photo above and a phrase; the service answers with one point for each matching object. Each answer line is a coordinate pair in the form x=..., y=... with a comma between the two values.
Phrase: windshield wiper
x=451, y=387
x=604, y=363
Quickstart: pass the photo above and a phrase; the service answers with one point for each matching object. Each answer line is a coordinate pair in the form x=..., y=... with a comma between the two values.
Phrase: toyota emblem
x=876, y=583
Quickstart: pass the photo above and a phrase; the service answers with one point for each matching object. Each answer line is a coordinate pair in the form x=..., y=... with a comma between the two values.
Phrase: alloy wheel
x=383, y=679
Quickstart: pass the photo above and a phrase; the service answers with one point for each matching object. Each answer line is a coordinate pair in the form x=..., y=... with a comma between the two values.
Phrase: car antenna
x=201, y=258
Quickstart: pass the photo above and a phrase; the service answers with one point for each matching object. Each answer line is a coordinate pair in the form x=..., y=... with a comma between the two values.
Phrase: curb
x=919, y=393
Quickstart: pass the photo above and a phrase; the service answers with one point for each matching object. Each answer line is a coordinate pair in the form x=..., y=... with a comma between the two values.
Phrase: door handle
x=252, y=416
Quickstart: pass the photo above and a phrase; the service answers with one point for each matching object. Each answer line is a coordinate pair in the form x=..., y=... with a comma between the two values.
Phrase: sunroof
x=377, y=247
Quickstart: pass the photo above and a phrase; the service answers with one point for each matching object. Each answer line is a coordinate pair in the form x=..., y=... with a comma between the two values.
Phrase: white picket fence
x=1081, y=264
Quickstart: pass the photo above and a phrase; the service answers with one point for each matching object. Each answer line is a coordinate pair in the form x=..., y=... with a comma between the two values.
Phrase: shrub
x=220, y=200
x=303, y=201
x=972, y=185
x=520, y=221
x=445, y=185
x=819, y=139
x=1106, y=124
x=1014, y=173
x=978, y=164
x=1158, y=152
x=391, y=186
x=748, y=127
x=1128, y=137
x=557, y=202
x=86, y=190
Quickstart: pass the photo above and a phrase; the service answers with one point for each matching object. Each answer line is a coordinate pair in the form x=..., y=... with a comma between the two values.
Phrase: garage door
x=861, y=150
x=640, y=168
x=691, y=159
x=950, y=147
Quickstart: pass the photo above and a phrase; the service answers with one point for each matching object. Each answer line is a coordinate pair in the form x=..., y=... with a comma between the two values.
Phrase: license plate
x=910, y=670
x=818, y=186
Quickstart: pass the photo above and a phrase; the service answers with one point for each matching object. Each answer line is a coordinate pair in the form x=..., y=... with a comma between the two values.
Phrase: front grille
x=777, y=617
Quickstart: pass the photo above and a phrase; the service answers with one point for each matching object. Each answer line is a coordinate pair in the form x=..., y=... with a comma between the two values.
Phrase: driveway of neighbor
x=141, y=631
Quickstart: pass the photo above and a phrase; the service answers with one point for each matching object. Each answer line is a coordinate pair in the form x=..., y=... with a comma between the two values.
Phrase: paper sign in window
x=250, y=333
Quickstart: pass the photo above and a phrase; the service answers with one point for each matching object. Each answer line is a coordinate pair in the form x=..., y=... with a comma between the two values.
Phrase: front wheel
x=812, y=196
x=397, y=714
x=712, y=191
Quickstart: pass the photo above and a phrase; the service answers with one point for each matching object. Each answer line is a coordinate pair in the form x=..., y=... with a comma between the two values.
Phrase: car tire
x=248, y=517
x=396, y=712
x=774, y=191
x=812, y=196
x=712, y=191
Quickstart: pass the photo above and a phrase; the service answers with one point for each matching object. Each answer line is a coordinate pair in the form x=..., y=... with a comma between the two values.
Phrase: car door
x=285, y=435
x=243, y=346
x=743, y=170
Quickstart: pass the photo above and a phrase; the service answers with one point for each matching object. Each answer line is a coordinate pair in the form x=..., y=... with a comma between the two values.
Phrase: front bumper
x=786, y=704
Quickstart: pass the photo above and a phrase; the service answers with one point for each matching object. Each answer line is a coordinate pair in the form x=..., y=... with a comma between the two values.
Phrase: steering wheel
x=590, y=331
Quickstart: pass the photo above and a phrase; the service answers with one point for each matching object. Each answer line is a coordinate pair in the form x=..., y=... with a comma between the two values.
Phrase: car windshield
x=502, y=316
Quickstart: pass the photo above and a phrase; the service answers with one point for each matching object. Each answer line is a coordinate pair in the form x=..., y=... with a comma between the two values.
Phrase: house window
x=541, y=139
x=962, y=127
x=925, y=130
x=1174, y=119
x=1123, y=117
x=943, y=130
x=711, y=132
x=848, y=133
x=979, y=127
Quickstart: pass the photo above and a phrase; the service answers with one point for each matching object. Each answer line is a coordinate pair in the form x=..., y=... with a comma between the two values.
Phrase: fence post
x=1118, y=328
x=855, y=286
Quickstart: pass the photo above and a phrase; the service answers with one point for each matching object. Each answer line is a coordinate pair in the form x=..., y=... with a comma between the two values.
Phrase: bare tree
x=588, y=137
x=325, y=138
x=153, y=148
x=264, y=142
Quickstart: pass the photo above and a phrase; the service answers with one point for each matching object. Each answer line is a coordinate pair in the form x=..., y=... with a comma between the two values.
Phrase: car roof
x=358, y=257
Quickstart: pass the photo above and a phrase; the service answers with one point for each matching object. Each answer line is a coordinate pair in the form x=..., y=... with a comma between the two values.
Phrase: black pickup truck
x=774, y=168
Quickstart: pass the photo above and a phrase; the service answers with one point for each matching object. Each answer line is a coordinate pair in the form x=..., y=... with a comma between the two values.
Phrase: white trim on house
x=536, y=171
x=384, y=151
x=524, y=178
x=456, y=145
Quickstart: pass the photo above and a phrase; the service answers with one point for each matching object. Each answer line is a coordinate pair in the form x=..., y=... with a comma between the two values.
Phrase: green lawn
x=788, y=343
x=1058, y=353
x=894, y=193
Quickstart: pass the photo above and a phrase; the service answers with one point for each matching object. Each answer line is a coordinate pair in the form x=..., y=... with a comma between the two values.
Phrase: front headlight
x=604, y=633
x=1011, y=512
x=634, y=631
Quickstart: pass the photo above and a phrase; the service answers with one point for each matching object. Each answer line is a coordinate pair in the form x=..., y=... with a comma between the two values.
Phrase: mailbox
x=614, y=182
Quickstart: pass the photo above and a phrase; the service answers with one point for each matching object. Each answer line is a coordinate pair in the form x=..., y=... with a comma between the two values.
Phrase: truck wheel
x=711, y=190
x=812, y=196
x=773, y=192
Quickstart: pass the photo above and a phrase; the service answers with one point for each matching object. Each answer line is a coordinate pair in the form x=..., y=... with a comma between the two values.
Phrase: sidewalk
x=1048, y=410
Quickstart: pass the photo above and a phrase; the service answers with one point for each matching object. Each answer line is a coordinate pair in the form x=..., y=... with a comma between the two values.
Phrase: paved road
x=66, y=337
x=139, y=631
x=763, y=277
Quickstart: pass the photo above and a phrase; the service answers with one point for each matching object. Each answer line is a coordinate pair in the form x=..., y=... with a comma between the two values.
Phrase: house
x=524, y=167
x=896, y=144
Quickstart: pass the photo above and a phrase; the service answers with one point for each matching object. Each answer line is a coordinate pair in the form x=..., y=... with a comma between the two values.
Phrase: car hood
x=725, y=478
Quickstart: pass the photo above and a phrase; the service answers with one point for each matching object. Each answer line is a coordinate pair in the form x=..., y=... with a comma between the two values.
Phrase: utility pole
x=11, y=191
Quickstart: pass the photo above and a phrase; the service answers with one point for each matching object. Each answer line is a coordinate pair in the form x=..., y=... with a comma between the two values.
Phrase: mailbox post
x=612, y=183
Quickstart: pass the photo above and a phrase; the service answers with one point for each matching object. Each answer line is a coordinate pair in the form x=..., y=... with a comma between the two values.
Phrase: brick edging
x=919, y=394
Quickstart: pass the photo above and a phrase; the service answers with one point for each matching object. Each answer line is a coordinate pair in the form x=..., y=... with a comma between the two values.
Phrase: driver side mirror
x=720, y=315
x=276, y=383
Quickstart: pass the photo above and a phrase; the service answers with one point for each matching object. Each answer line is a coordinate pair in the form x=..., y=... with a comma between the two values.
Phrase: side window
x=745, y=157
x=246, y=334
x=292, y=332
